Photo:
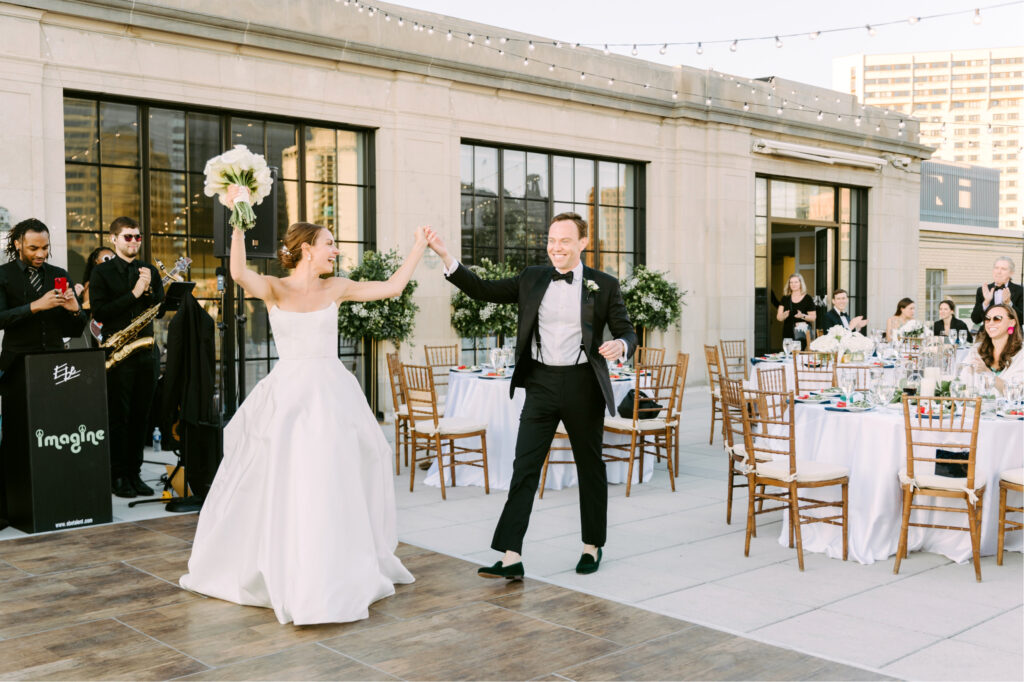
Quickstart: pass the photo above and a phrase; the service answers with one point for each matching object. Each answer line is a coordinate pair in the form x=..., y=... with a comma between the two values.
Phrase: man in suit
x=35, y=317
x=561, y=362
x=120, y=290
x=840, y=316
x=1000, y=290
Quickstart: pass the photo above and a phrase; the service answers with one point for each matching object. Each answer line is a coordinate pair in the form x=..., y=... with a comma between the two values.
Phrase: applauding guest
x=948, y=321
x=840, y=316
x=905, y=311
x=796, y=310
x=998, y=349
x=1000, y=290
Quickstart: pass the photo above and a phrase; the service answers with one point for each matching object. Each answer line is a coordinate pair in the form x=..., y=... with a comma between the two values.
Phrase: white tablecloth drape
x=487, y=401
x=872, y=445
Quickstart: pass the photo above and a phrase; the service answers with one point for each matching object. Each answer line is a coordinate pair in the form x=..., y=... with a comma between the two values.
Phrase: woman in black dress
x=796, y=307
x=948, y=320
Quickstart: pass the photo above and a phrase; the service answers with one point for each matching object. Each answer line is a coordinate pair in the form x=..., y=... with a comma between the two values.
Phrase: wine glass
x=962, y=335
x=847, y=379
x=494, y=354
x=958, y=388
x=883, y=392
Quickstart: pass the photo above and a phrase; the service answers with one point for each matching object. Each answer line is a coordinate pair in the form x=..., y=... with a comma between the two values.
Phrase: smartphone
x=60, y=284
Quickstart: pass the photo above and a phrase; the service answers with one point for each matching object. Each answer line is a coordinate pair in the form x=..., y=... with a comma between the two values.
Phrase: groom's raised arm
x=490, y=290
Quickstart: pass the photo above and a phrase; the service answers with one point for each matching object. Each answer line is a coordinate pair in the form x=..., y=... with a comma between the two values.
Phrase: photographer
x=38, y=310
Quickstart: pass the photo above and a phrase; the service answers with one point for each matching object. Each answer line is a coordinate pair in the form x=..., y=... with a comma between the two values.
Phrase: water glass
x=962, y=335
x=494, y=354
x=957, y=388
x=847, y=379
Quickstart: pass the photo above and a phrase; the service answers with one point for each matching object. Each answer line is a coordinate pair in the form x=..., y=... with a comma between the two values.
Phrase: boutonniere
x=592, y=286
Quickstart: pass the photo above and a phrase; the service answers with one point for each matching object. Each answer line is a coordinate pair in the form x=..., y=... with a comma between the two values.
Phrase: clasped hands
x=56, y=299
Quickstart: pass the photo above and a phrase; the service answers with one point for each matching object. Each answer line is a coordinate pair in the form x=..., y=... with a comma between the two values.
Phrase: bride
x=301, y=515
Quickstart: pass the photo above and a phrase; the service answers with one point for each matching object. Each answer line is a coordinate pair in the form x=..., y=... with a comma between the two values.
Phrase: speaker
x=261, y=240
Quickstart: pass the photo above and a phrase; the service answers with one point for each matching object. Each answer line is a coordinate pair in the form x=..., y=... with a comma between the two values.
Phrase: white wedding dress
x=301, y=515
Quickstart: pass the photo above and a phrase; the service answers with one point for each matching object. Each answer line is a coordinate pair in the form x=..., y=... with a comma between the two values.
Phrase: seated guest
x=1000, y=290
x=840, y=316
x=948, y=321
x=796, y=310
x=905, y=311
x=998, y=347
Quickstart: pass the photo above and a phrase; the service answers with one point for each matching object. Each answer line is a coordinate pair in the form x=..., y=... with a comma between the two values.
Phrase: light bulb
x=977, y=17
x=778, y=43
x=501, y=53
x=878, y=128
x=839, y=117
x=857, y=120
x=387, y=17
x=606, y=50
x=871, y=31
x=707, y=102
x=503, y=40
x=700, y=48
x=735, y=44
x=664, y=49
x=401, y=21
x=526, y=61
x=814, y=36
x=583, y=76
x=449, y=36
x=487, y=40
x=746, y=107
x=779, y=111
x=611, y=81
x=558, y=44
x=472, y=37
x=902, y=124
x=675, y=95
x=575, y=45
x=634, y=51
x=913, y=20
x=647, y=86
x=820, y=115
x=551, y=67
x=530, y=46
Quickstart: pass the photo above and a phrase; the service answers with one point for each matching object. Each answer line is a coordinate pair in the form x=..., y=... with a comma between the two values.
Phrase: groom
x=560, y=361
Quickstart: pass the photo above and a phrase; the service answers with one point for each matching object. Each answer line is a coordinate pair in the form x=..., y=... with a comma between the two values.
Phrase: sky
x=799, y=58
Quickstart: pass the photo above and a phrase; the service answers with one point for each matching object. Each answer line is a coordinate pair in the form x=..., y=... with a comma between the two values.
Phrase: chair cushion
x=940, y=482
x=450, y=426
x=642, y=425
x=402, y=411
x=807, y=471
x=1013, y=476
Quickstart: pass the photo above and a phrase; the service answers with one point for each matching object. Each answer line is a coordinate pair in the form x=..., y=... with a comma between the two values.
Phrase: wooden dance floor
x=103, y=602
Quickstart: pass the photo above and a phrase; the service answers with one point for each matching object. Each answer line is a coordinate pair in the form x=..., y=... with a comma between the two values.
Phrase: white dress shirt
x=845, y=320
x=559, y=321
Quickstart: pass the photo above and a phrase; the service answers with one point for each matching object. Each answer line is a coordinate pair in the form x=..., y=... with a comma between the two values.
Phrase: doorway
x=808, y=251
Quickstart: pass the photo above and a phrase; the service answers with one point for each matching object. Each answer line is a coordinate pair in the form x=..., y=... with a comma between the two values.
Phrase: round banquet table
x=872, y=445
x=487, y=401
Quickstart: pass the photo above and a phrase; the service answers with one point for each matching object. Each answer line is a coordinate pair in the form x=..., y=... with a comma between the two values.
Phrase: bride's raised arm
x=254, y=283
x=394, y=285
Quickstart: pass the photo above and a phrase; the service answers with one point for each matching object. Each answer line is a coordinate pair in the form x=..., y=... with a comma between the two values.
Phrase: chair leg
x=440, y=464
x=451, y=449
x=405, y=431
x=412, y=468
x=398, y=446
x=908, y=499
x=714, y=403
x=487, y=477
x=974, y=519
x=632, y=454
x=846, y=499
x=794, y=522
x=728, y=495
x=543, y=476
x=751, y=517
x=668, y=461
x=1001, y=534
x=675, y=445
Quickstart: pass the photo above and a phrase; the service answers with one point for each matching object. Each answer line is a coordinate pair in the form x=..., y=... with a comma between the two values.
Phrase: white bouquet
x=825, y=344
x=241, y=167
x=855, y=342
x=912, y=329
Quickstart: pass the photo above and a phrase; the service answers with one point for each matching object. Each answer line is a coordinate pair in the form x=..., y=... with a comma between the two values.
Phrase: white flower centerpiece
x=241, y=167
x=843, y=343
x=911, y=330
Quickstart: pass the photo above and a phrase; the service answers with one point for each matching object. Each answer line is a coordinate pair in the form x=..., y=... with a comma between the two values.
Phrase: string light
x=821, y=115
x=531, y=47
x=871, y=31
x=611, y=81
x=778, y=43
x=707, y=102
x=735, y=44
x=814, y=35
x=664, y=49
x=583, y=76
x=551, y=67
x=449, y=36
x=977, y=17
x=746, y=106
x=700, y=48
x=913, y=20
x=634, y=51
x=606, y=50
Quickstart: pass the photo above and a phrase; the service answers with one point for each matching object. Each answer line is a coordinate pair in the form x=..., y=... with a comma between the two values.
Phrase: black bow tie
x=567, y=276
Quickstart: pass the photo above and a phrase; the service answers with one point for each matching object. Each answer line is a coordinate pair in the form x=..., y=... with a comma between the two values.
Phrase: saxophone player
x=121, y=289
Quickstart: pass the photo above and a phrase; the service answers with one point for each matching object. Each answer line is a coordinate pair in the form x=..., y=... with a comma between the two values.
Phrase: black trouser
x=573, y=396
x=130, y=388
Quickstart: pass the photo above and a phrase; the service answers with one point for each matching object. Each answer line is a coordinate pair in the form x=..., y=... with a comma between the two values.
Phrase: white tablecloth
x=872, y=445
x=486, y=400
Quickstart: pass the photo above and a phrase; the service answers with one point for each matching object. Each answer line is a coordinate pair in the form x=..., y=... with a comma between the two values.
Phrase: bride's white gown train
x=301, y=515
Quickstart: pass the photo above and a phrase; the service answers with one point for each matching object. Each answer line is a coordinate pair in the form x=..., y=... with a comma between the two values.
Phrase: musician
x=120, y=290
x=35, y=316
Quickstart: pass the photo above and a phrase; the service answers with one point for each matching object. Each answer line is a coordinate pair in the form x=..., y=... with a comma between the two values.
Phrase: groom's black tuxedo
x=597, y=310
x=575, y=394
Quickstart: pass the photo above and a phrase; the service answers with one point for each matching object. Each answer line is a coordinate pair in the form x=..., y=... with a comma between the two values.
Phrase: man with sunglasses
x=120, y=290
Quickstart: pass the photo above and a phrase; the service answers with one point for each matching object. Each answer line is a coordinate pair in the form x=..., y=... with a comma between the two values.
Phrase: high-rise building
x=970, y=104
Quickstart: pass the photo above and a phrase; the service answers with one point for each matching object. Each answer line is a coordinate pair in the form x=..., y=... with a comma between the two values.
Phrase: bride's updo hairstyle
x=297, y=235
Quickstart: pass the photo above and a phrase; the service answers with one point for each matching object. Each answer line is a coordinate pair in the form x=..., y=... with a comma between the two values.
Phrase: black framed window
x=510, y=194
x=146, y=159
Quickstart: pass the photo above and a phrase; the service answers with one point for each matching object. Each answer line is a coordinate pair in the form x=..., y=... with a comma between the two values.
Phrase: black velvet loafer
x=589, y=564
x=511, y=572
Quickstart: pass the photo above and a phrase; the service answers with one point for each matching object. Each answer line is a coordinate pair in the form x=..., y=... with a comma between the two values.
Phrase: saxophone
x=123, y=343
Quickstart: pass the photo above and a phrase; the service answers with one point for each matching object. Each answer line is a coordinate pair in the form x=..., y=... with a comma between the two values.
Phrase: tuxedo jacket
x=28, y=332
x=1016, y=302
x=600, y=309
x=832, y=319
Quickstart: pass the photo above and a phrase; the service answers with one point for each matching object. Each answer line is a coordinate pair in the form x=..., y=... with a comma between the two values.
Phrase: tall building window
x=934, y=280
x=509, y=195
x=146, y=159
